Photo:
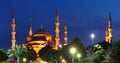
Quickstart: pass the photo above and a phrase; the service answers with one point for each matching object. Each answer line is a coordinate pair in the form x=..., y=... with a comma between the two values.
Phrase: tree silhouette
x=3, y=56
x=77, y=43
x=99, y=53
x=48, y=54
x=31, y=54
x=19, y=52
x=115, y=52
x=66, y=53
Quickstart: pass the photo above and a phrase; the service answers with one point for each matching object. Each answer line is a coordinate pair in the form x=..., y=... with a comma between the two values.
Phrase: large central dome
x=39, y=39
x=42, y=31
x=41, y=35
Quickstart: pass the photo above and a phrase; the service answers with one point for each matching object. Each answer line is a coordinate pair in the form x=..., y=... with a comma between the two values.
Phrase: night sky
x=83, y=17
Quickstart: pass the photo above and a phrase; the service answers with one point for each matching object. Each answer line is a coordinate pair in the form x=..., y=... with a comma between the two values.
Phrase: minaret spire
x=13, y=33
x=30, y=32
x=109, y=20
x=57, y=38
x=57, y=11
x=65, y=34
x=108, y=37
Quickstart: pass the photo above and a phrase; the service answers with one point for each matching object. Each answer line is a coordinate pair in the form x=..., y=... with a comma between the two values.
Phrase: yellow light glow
x=24, y=59
x=72, y=50
x=78, y=55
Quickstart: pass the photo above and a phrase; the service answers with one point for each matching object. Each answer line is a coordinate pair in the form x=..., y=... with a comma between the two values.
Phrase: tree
x=77, y=43
x=104, y=44
x=48, y=54
x=99, y=53
x=9, y=53
x=115, y=52
x=31, y=55
x=11, y=57
x=19, y=52
x=3, y=55
x=66, y=53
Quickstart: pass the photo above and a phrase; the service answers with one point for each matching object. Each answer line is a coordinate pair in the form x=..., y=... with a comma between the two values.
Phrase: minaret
x=57, y=38
x=13, y=33
x=65, y=34
x=30, y=33
x=108, y=37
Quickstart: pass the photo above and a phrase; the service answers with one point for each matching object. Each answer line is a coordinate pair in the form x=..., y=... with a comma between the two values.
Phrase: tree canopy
x=3, y=55
x=115, y=52
x=74, y=43
x=31, y=54
x=77, y=43
x=66, y=53
x=48, y=54
x=99, y=53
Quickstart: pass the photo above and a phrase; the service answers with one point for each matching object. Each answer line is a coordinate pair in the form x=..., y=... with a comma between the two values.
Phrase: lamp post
x=78, y=56
x=92, y=37
x=73, y=51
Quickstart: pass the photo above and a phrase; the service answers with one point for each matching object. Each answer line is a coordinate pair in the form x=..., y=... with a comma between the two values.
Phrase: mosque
x=41, y=38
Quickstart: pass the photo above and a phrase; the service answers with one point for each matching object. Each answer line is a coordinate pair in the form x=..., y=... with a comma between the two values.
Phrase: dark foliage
x=48, y=54
x=77, y=43
x=105, y=45
x=31, y=54
x=3, y=56
x=115, y=52
x=66, y=53
x=99, y=52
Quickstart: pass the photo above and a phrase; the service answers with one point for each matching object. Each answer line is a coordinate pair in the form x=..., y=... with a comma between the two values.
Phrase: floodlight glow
x=78, y=55
x=72, y=50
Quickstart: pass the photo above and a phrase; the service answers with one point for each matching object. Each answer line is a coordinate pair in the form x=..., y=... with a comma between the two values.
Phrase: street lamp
x=73, y=51
x=92, y=37
x=24, y=60
x=78, y=56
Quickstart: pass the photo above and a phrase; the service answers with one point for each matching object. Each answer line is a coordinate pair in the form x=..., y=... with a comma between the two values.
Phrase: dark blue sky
x=83, y=17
